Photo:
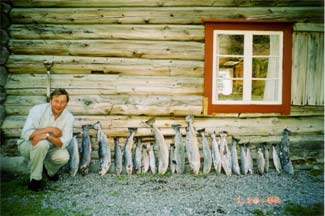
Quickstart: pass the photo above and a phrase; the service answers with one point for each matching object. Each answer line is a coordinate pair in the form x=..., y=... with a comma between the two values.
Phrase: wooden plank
x=117, y=125
x=309, y=27
x=110, y=48
x=165, y=3
x=315, y=74
x=104, y=84
x=113, y=105
x=137, y=105
x=87, y=65
x=161, y=15
x=299, y=68
x=319, y=70
x=112, y=31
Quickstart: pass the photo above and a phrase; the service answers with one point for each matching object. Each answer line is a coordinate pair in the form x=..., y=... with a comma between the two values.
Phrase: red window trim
x=260, y=25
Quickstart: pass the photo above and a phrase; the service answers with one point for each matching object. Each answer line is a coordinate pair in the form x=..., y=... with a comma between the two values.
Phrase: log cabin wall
x=125, y=61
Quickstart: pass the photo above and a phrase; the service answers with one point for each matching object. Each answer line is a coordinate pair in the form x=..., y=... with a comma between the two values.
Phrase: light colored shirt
x=41, y=116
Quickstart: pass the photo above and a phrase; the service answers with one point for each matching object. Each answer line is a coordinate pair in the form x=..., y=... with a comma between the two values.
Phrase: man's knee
x=24, y=148
x=60, y=157
x=42, y=145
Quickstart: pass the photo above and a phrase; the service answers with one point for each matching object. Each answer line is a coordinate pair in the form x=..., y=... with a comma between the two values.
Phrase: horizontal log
x=309, y=27
x=110, y=48
x=113, y=105
x=129, y=32
x=117, y=125
x=137, y=105
x=123, y=66
x=36, y=84
x=160, y=15
x=165, y=3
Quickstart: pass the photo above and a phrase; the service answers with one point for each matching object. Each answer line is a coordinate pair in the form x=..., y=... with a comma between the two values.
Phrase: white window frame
x=247, y=73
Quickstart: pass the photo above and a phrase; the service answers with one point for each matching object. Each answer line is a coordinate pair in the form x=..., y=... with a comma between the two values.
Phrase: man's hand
x=38, y=138
x=56, y=132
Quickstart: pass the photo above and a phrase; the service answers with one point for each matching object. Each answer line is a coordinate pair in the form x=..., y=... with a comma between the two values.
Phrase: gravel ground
x=148, y=194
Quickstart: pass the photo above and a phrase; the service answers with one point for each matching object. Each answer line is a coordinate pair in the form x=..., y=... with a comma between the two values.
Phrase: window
x=247, y=66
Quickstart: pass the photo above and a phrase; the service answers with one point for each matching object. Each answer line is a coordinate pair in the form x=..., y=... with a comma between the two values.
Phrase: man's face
x=58, y=103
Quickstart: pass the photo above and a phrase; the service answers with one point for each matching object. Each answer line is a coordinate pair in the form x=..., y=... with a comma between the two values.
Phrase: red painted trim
x=258, y=25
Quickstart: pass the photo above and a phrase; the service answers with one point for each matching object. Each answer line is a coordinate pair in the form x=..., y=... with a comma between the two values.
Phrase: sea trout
x=162, y=147
x=249, y=160
x=284, y=153
x=137, y=156
x=276, y=159
x=192, y=146
x=118, y=157
x=85, y=149
x=74, y=153
x=216, y=156
x=128, y=151
x=260, y=161
x=234, y=157
x=225, y=154
x=152, y=159
x=179, y=149
x=145, y=159
x=243, y=163
x=104, y=151
x=172, y=160
x=206, y=152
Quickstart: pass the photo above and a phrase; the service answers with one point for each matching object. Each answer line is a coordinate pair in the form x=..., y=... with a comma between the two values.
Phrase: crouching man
x=46, y=134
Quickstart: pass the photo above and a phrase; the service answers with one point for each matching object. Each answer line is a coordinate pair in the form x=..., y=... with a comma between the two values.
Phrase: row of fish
x=143, y=159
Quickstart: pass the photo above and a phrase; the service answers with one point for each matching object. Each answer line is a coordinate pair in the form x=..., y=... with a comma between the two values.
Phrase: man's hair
x=59, y=91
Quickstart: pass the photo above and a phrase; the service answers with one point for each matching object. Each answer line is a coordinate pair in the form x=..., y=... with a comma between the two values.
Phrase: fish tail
x=201, y=130
x=189, y=119
x=150, y=121
x=176, y=126
x=131, y=129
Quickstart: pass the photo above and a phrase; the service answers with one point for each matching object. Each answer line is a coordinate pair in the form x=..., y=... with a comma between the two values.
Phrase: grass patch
x=16, y=199
x=258, y=212
x=316, y=209
x=316, y=172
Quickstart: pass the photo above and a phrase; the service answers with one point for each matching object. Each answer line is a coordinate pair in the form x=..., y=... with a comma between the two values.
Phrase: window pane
x=265, y=45
x=234, y=92
x=230, y=44
x=235, y=65
x=265, y=90
x=265, y=67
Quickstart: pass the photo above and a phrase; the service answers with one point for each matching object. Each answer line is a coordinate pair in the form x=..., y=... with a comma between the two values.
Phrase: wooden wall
x=126, y=61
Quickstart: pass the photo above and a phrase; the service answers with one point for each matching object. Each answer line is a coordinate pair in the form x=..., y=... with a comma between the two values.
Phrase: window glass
x=265, y=90
x=230, y=44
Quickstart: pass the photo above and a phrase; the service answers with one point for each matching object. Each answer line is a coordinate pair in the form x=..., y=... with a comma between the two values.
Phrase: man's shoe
x=35, y=185
x=55, y=177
